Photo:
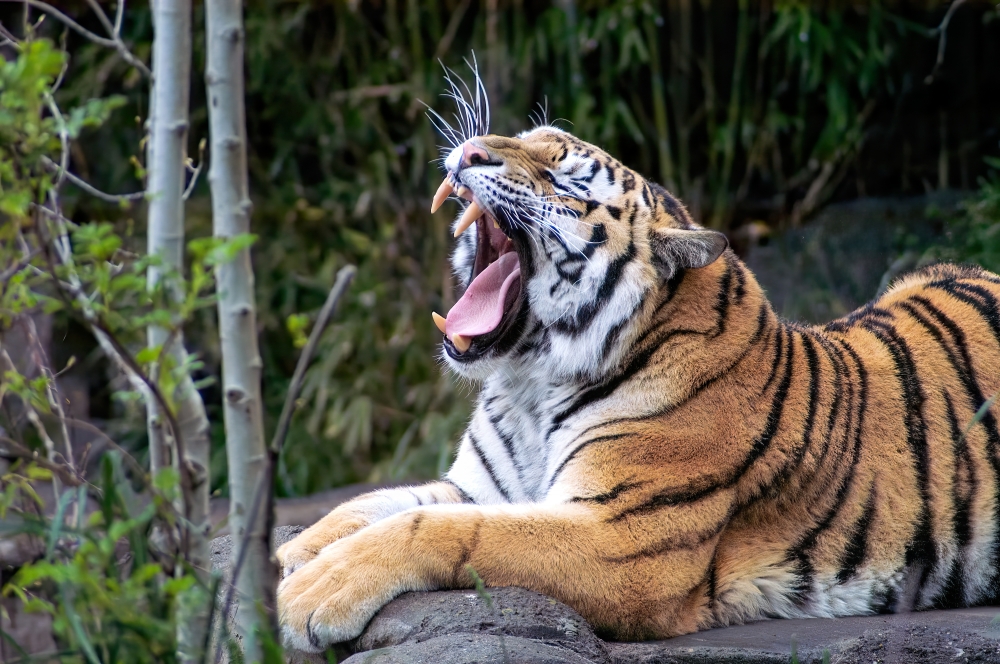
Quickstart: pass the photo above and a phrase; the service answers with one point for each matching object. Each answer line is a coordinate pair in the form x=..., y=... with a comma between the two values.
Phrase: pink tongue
x=481, y=308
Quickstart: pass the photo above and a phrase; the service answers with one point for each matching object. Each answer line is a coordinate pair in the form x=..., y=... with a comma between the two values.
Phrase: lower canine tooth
x=471, y=213
x=439, y=320
x=461, y=343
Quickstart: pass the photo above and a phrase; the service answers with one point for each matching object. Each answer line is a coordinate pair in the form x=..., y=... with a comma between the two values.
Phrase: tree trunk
x=241, y=363
x=189, y=447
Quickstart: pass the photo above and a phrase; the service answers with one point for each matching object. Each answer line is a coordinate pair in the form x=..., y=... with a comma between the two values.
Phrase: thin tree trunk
x=188, y=448
x=241, y=363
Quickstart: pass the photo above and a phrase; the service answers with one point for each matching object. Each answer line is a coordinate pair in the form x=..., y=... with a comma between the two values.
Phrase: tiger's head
x=559, y=249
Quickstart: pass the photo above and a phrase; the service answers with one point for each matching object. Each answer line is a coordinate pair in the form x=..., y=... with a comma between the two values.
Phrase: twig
x=53, y=167
x=70, y=23
x=115, y=41
x=344, y=278
x=15, y=450
x=18, y=266
x=195, y=171
x=942, y=32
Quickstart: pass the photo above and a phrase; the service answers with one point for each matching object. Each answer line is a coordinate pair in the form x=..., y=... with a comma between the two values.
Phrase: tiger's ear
x=676, y=248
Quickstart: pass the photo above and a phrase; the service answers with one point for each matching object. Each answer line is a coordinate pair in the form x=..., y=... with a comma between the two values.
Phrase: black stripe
x=779, y=339
x=588, y=312
x=489, y=468
x=857, y=544
x=611, y=494
x=978, y=298
x=722, y=299
x=741, y=281
x=712, y=581
x=800, y=552
x=466, y=498
x=698, y=490
x=960, y=447
x=836, y=358
x=508, y=444
x=690, y=541
x=812, y=365
x=920, y=551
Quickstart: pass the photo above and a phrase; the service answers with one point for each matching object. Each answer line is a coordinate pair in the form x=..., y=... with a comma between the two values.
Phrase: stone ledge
x=457, y=627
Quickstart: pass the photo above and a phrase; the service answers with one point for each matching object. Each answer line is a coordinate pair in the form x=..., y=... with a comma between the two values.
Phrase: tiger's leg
x=358, y=513
x=624, y=579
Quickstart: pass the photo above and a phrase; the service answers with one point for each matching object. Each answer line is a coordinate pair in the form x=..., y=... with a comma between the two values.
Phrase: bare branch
x=344, y=278
x=115, y=41
x=70, y=23
x=18, y=266
x=89, y=188
x=942, y=32
x=14, y=450
x=195, y=171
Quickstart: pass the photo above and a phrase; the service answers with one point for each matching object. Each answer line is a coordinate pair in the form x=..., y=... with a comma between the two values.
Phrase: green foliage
x=109, y=594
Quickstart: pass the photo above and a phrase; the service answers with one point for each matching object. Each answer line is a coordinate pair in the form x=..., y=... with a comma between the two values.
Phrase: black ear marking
x=676, y=249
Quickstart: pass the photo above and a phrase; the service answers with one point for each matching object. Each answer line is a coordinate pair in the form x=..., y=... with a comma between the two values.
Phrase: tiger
x=653, y=445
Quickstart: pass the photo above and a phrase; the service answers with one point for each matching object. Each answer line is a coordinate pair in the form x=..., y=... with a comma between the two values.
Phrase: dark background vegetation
x=758, y=115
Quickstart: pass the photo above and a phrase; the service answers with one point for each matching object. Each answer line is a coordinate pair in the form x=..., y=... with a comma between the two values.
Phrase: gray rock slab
x=926, y=637
x=471, y=649
x=414, y=618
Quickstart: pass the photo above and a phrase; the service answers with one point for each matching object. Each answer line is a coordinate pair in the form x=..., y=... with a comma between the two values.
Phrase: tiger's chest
x=516, y=432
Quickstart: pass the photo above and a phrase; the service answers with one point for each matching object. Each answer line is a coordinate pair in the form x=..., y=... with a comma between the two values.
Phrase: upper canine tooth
x=471, y=213
x=442, y=193
x=440, y=321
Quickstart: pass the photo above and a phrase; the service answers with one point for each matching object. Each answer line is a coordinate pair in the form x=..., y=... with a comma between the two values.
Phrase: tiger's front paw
x=331, y=598
x=307, y=545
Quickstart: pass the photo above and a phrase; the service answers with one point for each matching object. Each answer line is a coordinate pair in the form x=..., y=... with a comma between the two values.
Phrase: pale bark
x=241, y=363
x=189, y=447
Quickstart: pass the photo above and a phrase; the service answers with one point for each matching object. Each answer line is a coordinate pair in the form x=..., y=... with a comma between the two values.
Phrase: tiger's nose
x=473, y=155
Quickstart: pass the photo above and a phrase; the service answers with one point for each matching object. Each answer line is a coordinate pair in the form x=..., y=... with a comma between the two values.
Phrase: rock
x=926, y=637
x=521, y=616
x=471, y=649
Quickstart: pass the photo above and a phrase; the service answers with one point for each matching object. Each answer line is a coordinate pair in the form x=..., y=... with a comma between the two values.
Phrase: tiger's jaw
x=488, y=317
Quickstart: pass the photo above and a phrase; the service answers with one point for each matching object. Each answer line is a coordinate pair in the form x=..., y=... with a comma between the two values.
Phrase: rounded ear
x=677, y=248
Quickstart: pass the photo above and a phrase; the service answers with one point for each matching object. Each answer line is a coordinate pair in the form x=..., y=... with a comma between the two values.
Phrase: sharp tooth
x=496, y=224
x=442, y=193
x=439, y=320
x=462, y=191
x=461, y=343
x=471, y=213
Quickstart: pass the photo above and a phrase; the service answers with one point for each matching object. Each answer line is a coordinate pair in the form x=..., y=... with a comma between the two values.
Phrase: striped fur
x=655, y=447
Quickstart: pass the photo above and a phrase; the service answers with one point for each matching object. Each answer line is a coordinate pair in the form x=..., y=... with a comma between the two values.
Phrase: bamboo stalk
x=241, y=363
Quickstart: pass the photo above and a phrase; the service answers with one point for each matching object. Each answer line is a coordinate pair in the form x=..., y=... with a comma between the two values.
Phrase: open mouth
x=484, y=312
